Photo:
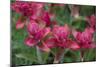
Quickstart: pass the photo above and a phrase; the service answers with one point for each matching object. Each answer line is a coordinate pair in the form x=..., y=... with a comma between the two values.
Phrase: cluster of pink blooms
x=45, y=33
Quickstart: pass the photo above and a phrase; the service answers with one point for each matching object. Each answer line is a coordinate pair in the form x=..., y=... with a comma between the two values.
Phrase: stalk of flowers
x=31, y=11
x=35, y=14
x=59, y=36
x=60, y=39
x=37, y=32
x=27, y=10
x=85, y=40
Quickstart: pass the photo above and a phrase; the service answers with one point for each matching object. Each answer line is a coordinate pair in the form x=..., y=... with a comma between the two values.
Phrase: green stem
x=62, y=56
x=59, y=55
x=39, y=56
x=81, y=55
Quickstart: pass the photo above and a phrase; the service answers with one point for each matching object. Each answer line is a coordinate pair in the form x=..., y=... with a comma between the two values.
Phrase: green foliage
x=87, y=10
x=90, y=55
x=79, y=24
x=62, y=15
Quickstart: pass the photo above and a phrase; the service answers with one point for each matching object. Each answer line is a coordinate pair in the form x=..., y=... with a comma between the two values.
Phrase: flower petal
x=75, y=33
x=93, y=45
x=46, y=18
x=46, y=31
x=44, y=47
x=20, y=24
x=33, y=27
x=51, y=43
x=73, y=45
x=30, y=42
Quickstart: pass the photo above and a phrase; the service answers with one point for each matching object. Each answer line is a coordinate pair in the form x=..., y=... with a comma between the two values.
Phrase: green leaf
x=87, y=10
x=79, y=24
x=62, y=15
x=45, y=56
x=26, y=56
x=90, y=55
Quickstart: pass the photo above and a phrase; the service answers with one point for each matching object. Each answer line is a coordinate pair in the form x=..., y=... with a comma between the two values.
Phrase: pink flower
x=21, y=7
x=30, y=41
x=20, y=24
x=37, y=10
x=85, y=38
x=44, y=47
x=42, y=33
x=51, y=42
x=61, y=34
x=33, y=27
x=36, y=33
x=72, y=45
x=46, y=18
x=29, y=9
x=60, y=38
x=92, y=21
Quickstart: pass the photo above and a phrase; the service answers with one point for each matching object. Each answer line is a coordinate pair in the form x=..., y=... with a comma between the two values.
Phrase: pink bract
x=60, y=38
x=46, y=18
x=20, y=24
x=27, y=8
x=36, y=32
x=29, y=41
x=85, y=38
x=92, y=21
x=61, y=32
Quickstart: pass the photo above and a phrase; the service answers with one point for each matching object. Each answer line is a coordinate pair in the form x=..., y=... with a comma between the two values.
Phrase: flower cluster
x=45, y=33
